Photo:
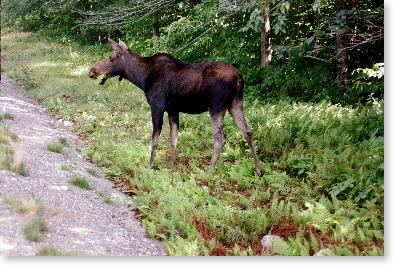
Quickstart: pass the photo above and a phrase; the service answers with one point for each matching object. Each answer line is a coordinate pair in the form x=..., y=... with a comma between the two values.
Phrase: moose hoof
x=260, y=173
x=154, y=167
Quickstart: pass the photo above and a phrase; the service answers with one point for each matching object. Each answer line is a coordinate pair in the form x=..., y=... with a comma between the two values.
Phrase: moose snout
x=93, y=74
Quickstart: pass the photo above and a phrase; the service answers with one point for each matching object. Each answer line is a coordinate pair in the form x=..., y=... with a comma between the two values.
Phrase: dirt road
x=77, y=220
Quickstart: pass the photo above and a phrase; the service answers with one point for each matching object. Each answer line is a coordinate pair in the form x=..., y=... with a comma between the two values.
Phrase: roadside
x=87, y=220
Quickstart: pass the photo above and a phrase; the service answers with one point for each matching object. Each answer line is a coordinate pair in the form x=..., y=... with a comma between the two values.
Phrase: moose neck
x=136, y=70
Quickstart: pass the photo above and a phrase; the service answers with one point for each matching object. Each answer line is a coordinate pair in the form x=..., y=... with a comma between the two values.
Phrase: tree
x=344, y=10
x=266, y=40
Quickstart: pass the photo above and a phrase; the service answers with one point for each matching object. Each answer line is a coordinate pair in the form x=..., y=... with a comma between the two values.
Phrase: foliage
x=368, y=82
x=80, y=182
x=304, y=57
x=105, y=197
x=323, y=162
x=9, y=159
x=6, y=116
x=58, y=147
x=24, y=205
x=34, y=229
x=55, y=147
x=49, y=251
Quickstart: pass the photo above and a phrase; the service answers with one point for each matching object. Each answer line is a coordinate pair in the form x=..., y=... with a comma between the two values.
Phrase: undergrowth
x=80, y=182
x=9, y=158
x=58, y=147
x=50, y=251
x=324, y=180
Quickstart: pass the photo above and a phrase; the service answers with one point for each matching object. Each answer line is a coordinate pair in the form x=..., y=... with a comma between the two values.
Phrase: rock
x=267, y=241
x=91, y=117
x=62, y=187
x=323, y=252
x=68, y=123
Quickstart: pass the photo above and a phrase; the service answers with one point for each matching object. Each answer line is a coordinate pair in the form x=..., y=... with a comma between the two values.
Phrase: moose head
x=112, y=66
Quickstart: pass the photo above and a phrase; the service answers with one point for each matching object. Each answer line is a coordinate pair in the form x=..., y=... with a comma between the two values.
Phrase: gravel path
x=77, y=220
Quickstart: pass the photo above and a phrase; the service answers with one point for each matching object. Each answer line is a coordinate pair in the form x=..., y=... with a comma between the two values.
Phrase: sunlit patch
x=80, y=230
x=80, y=70
x=49, y=64
x=6, y=244
x=74, y=55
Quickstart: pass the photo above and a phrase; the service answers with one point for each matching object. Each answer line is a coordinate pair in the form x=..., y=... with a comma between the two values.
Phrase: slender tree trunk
x=342, y=42
x=266, y=40
x=156, y=25
x=341, y=53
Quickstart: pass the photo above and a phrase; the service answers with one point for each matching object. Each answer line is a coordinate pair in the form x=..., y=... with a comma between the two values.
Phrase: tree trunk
x=342, y=41
x=156, y=26
x=266, y=40
x=341, y=61
x=341, y=53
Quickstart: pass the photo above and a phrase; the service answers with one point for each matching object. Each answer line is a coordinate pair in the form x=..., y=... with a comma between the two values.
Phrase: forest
x=314, y=99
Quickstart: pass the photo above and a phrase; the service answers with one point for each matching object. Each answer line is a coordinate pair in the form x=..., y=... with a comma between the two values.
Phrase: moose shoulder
x=173, y=86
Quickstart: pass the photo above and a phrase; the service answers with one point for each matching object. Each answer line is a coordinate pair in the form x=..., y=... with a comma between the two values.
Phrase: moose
x=173, y=86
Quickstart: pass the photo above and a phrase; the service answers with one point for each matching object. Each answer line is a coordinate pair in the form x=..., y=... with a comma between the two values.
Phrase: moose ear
x=117, y=48
x=123, y=45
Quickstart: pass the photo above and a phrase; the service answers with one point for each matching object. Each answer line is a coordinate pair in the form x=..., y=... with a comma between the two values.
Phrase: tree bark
x=266, y=40
x=341, y=61
x=342, y=42
x=341, y=53
x=156, y=26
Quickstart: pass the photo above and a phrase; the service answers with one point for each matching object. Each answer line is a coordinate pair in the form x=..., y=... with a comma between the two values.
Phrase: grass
x=92, y=172
x=33, y=208
x=66, y=167
x=80, y=182
x=6, y=135
x=24, y=205
x=50, y=251
x=324, y=181
x=105, y=197
x=55, y=147
x=34, y=229
x=9, y=159
x=6, y=116
x=63, y=141
x=58, y=147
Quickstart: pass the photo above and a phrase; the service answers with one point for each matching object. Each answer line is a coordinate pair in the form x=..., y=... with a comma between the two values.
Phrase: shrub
x=80, y=182
x=55, y=147
x=34, y=229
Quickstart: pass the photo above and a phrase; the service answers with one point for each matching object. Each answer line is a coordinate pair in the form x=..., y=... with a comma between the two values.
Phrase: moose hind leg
x=218, y=135
x=174, y=132
x=157, y=118
x=236, y=110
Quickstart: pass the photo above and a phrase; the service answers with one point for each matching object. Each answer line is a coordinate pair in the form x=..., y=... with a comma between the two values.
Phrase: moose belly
x=191, y=105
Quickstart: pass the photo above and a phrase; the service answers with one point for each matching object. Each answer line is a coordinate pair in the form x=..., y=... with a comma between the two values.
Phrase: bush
x=80, y=182
x=299, y=79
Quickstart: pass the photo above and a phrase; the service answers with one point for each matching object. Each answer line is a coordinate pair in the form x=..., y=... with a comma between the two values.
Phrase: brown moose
x=173, y=86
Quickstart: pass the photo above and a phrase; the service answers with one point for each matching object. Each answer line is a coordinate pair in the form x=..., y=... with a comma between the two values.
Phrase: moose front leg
x=174, y=131
x=157, y=117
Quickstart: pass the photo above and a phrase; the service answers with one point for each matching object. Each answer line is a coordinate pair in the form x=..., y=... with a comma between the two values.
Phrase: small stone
x=323, y=252
x=91, y=117
x=68, y=123
x=62, y=187
x=267, y=241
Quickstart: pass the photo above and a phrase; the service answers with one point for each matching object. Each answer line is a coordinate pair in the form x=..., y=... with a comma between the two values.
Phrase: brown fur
x=173, y=86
